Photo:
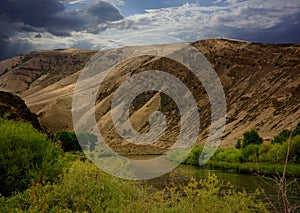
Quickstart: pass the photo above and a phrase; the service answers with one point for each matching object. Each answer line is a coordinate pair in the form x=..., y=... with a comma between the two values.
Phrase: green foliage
x=281, y=137
x=238, y=144
x=86, y=189
x=193, y=157
x=87, y=140
x=253, y=151
x=177, y=155
x=276, y=154
x=285, y=134
x=70, y=142
x=294, y=155
x=250, y=153
x=26, y=155
x=227, y=155
x=82, y=188
x=251, y=137
x=293, y=170
x=205, y=195
x=296, y=130
x=264, y=149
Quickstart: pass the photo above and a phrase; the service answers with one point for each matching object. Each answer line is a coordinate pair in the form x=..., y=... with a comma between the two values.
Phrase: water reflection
x=183, y=173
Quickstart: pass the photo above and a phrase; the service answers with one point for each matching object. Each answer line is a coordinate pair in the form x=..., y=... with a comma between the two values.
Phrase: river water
x=183, y=173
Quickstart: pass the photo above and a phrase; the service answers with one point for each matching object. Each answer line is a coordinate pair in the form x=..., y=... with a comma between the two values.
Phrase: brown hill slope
x=261, y=84
x=13, y=107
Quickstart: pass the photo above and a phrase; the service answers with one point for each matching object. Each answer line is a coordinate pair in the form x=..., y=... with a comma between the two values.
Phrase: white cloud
x=189, y=22
x=186, y=23
x=114, y=2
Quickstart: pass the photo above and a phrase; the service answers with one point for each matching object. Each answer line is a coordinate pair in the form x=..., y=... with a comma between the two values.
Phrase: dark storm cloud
x=103, y=10
x=31, y=12
x=285, y=32
x=9, y=49
x=38, y=36
x=270, y=21
x=19, y=16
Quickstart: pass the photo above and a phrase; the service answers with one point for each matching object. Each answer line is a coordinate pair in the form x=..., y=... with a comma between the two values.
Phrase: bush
x=227, y=155
x=193, y=157
x=281, y=137
x=84, y=188
x=251, y=137
x=250, y=153
x=26, y=155
x=296, y=130
x=238, y=144
x=70, y=142
x=263, y=152
x=276, y=154
x=294, y=155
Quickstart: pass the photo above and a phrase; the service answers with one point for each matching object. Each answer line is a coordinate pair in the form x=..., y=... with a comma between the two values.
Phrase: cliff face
x=13, y=107
x=261, y=84
x=37, y=77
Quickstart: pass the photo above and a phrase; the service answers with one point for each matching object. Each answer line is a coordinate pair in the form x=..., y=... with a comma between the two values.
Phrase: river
x=183, y=173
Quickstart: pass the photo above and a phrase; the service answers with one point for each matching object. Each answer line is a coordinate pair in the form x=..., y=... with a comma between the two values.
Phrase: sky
x=28, y=25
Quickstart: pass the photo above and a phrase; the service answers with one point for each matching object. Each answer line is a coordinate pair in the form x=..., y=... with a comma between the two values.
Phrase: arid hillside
x=13, y=107
x=261, y=84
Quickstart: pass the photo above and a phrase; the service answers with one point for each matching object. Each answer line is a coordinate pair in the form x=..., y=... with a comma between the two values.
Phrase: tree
x=70, y=142
x=296, y=130
x=250, y=153
x=238, y=144
x=281, y=137
x=251, y=137
x=295, y=149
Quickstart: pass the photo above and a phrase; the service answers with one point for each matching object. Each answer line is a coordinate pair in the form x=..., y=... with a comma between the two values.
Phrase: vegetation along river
x=250, y=183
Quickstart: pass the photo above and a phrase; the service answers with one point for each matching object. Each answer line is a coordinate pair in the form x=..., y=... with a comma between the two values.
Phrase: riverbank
x=264, y=169
x=82, y=187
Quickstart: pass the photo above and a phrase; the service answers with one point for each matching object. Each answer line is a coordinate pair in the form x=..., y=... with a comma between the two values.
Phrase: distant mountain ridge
x=261, y=84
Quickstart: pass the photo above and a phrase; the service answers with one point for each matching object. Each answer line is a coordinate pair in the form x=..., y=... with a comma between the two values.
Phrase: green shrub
x=276, y=154
x=238, y=144
x=227, y=155
x=294, y=155
x=296, y=130
x=26, y=155
x=177, y=155
x=263, y=152
x=251, y=137
x=250, y=153
x=84, y=188
x=204, y=195
x=281, y=137
x=70, y=142
x=193, y=157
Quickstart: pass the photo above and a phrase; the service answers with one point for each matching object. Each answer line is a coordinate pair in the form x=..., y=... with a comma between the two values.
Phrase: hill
x=13, y=107
x=261, y=84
